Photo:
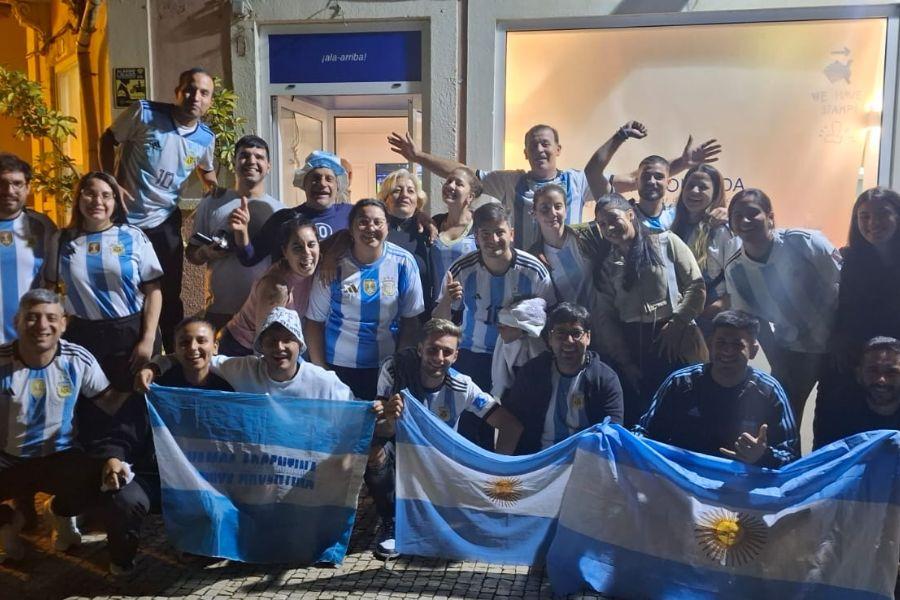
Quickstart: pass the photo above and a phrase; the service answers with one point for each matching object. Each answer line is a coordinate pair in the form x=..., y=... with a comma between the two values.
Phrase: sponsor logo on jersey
x=6, y=238
x=369, y=286
x=350, y=290
x=93, y=248
x=388, y=287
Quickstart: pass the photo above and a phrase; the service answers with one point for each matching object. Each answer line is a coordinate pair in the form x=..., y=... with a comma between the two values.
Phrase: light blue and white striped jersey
x=661, y=222
x=447, y=402
x=484, y=294
x=571, y=272
x=795, y=289
x=567, y=414
x=37, y=405
x=515, y=190
x=445, y=252
x=361, y=308
x=24, y=243
x=156, y=159
x=103, y=271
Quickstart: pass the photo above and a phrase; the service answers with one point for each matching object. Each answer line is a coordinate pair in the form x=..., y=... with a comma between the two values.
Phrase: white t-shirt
x=249, y=374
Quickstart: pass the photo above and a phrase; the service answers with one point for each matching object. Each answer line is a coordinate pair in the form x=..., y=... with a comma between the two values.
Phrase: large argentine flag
x=645, y=520
x=457, y=501
x=259, y=478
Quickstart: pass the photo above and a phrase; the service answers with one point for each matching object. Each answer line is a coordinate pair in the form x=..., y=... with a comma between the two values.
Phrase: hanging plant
x=22, y=100
x=225, y=124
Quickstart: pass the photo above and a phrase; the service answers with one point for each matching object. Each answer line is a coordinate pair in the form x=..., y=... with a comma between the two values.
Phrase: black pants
x=380, y=481
x=169, y=247
x=73, y=478
x=476, y=365
x=111, y=342
x=655, y=368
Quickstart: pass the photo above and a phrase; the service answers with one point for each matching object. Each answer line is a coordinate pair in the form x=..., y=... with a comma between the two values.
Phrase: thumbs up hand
x=239, y=221
x=453, y=289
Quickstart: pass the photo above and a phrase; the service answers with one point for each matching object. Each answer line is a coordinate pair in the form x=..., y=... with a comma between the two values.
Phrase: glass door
x=299, y=128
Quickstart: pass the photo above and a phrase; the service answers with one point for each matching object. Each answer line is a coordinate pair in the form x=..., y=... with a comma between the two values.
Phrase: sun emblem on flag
x=6, y=238
x=729, y=538
x=504, y=491
x=369, y=286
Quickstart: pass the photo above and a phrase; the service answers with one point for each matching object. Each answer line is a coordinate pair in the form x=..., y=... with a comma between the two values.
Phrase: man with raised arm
x=515, y=188
x=160, y=146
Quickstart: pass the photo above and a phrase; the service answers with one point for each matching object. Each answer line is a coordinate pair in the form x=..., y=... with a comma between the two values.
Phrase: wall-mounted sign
x=380, y=56
x=131, y=85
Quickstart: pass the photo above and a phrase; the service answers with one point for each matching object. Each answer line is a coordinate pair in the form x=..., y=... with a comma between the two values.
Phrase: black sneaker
x=385, y=546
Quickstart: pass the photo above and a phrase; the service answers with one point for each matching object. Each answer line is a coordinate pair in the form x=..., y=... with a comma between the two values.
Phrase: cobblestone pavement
x=161, y=572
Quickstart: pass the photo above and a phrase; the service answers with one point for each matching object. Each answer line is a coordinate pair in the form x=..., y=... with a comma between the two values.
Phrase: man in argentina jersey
x=41, y=379
x=361, y=307
x=24, y=241
x=481, y=283
x=426, y=373
x=566, y=390
x=161, y=145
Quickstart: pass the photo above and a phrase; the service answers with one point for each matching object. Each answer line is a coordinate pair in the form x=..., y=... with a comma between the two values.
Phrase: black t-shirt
x=847, y=413
x=174, y=377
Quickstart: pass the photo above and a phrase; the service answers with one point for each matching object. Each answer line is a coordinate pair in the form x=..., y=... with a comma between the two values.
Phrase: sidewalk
x=162, y=573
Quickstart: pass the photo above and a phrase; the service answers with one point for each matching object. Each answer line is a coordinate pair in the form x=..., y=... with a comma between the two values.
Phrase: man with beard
x=212, y=244
x=873, y=402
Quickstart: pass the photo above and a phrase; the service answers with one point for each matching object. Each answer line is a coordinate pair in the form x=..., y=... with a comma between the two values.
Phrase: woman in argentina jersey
x=370, y=308
x=110, y=278
x=455, y=237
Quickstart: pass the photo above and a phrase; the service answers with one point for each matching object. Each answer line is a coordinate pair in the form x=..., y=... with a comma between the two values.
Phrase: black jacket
x=529, y=397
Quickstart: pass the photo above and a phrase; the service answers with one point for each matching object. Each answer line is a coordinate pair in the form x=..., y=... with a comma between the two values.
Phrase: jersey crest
x=38, y=388
x=64, y=388
x=117, y=249
x=369, y=286
x=6, y=238
x=93, y=248
x=389, y=287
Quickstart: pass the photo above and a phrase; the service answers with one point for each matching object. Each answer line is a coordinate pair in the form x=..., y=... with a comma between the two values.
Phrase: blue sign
x=388, y=56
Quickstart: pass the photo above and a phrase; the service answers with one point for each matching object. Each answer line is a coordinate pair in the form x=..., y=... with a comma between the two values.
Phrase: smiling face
x=194, y=98
x=369, y=227
x=280, y=350
x=97, y=204
x=877, y=221
x=195, y=345
x=542, y=150
x=14, y=191
x=879, y=374
x=550, y=210
x=437, y=352
x=730, y=351
x=302, y=251
x=457, y=190
x=750, y=222
x=495, y=239
x=403, y=199
x=40, y=326
x=321, y=187
x=251, y=165
x=617, y=225
x=698, y=193
x=652, y=181
x=569, y=343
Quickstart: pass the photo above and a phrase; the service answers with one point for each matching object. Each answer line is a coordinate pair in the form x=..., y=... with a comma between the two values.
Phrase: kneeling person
x=566, y=390
x=726, y=407
x=426, y=372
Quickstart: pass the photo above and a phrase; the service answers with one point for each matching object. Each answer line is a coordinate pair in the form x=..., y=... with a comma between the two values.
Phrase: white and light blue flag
x=458, y=501
x=259, y=478
x=642, y=519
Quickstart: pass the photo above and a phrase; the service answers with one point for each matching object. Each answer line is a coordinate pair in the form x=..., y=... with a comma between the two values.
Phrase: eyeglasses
x=564, y=334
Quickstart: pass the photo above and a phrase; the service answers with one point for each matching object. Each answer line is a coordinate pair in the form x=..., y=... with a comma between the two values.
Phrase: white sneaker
x=65, y=530
x=13, y=549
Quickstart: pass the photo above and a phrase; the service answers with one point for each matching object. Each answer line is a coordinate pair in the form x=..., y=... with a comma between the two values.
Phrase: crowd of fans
x=519, y=323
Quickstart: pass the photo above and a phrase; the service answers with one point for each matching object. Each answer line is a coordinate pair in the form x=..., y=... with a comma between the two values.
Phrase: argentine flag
x=259, y=478
x=457, y=501
x=642, y=519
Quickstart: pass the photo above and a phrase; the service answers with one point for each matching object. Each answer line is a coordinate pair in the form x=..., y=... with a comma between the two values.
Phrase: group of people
x=557, y=306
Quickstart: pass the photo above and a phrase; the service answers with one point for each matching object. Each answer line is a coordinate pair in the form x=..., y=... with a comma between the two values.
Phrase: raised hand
x=454, y=289
x=393, y=408
x=633, y=129
x=404, y=146
x=748, y=448
x=707, y=152
x=239, y=222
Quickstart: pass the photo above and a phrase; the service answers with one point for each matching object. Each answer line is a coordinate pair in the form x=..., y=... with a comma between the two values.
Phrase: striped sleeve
x=150, y=268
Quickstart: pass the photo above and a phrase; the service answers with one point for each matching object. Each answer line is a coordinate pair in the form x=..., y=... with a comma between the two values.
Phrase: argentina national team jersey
x=362, y=306
x=24, y=242
x=570, y=272
x=457, y=393
x=795, y=289
x=103, y=271
x=37, y=405
x=156, y=159
x=484, y=294
x=567, y=414
x=444, y=254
